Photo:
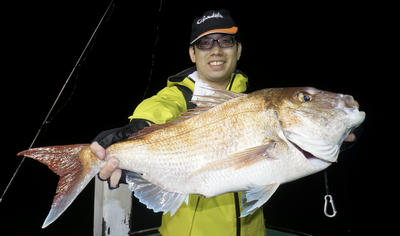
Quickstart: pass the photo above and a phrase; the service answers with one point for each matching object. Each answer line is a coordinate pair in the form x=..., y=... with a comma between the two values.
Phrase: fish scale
x=230, y=142
x=190, y=157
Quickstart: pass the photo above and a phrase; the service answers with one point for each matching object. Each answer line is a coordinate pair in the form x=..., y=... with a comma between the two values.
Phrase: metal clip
x=329, y=198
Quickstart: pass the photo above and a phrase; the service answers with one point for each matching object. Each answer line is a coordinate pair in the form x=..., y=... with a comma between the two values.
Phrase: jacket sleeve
x=163, y=107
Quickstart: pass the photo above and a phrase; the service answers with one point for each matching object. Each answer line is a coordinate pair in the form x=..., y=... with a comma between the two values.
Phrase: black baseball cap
x=214, y=21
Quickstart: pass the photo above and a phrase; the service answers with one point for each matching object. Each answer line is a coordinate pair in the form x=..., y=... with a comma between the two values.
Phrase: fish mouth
x=308, y=155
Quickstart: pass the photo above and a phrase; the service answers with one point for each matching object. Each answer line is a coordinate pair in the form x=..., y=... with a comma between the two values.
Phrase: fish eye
x=304, y=97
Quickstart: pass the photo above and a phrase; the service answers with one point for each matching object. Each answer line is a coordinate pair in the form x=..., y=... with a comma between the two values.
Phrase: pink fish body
x=229, y=143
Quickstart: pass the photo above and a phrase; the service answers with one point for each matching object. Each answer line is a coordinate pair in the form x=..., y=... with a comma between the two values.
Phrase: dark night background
x=330, y=46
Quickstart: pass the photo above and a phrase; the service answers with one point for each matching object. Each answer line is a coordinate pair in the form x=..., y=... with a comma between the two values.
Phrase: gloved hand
x=108, y=137
x=110, y=172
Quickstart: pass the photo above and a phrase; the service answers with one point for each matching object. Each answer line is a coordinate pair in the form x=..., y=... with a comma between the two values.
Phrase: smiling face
x=216, y=65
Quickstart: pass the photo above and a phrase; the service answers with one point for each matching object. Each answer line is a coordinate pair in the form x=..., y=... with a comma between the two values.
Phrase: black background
x=331, y=46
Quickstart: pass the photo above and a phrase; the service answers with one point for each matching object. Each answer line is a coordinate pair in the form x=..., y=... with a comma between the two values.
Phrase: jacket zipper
x=237, y=209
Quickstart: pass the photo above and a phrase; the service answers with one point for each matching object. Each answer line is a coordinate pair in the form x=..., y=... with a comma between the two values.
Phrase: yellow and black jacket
x=202, y=216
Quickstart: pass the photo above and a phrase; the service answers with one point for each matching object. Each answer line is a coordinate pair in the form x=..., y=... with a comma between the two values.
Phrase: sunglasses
x=207, y=43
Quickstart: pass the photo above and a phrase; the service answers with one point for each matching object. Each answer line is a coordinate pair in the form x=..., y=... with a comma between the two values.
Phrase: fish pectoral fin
x=256, y=197
x=239, y=160
x=249, y=156
x=153, y=196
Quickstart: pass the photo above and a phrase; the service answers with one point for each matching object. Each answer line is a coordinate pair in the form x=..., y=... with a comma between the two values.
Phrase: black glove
x=108, y=137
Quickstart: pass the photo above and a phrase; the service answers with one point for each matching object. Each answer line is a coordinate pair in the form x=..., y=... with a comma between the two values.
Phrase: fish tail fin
x=75, y=164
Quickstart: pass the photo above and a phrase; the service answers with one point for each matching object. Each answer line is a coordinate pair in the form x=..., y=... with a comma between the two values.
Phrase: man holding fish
x=202, y=151
x=215, y=49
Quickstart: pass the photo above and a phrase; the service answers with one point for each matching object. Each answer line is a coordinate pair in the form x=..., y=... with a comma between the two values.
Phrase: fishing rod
x=77, y=64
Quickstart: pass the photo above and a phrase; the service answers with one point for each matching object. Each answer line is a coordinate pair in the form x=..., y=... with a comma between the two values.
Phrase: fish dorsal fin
x=210, y=99
x=153, y=196
x=213, y=97
x=256, y=197
x=203, y=103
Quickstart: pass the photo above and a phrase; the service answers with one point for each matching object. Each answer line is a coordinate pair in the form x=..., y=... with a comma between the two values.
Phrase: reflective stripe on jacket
x=202, y=216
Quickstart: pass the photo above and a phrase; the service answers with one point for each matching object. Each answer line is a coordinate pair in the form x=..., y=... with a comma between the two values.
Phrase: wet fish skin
x=231, y=142
x=261, y=118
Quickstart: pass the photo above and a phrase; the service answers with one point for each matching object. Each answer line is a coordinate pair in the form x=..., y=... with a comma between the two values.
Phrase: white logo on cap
x=214, y=15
